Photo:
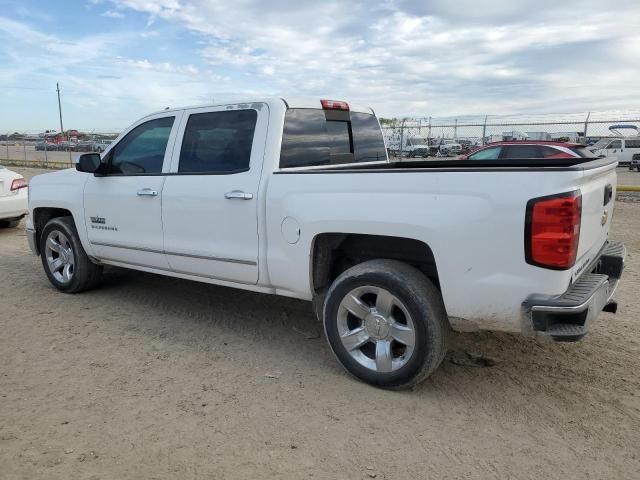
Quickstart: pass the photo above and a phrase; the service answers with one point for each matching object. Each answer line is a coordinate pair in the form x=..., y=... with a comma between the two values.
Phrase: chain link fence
x=405, y=138
x=38, y=149
x=446, y=137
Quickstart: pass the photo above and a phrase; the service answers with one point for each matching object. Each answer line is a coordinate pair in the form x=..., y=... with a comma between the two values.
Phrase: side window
x=615, y=144
x=521, y=151
x=632, y=143
x=550, y=152
x=218, y=142
x=491, y=153
x=142, y=150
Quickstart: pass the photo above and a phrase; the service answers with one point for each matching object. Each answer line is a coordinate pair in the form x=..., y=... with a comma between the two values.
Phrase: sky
x=117, y=60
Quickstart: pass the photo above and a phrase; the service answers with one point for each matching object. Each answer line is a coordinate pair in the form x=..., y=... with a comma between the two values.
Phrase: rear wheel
x=386, y=323
x=65, y=262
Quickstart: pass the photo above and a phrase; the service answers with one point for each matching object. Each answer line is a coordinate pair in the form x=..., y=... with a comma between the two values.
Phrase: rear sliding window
x=315, y=137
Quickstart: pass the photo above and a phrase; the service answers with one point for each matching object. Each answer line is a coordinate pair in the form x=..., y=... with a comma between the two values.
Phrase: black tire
x=9, y=223
x=424, y=304
x=86, y=274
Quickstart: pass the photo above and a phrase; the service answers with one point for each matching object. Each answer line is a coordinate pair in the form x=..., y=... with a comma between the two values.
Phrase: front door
x=123, y=208
x=210, y=198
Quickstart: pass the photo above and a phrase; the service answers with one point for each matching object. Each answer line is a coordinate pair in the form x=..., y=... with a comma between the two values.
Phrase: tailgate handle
x=608, y=194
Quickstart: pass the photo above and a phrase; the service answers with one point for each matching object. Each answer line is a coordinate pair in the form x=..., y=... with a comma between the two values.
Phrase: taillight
x=334, y=105
x=18, y=183
x=552, y=230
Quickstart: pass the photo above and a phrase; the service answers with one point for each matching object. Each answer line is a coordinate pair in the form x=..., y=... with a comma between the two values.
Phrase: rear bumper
x=567, y=317
x=14, y=206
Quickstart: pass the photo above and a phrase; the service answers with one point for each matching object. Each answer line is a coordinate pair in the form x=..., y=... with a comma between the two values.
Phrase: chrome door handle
x=147, y=192
x=239, y=194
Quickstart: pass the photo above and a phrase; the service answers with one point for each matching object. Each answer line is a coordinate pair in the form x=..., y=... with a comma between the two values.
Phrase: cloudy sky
x=117, y=60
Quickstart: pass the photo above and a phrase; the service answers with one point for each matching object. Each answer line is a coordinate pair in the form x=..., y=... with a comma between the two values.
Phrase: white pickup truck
x=296, y=197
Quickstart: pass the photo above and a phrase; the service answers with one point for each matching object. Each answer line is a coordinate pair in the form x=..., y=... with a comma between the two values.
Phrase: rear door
x=210, y=199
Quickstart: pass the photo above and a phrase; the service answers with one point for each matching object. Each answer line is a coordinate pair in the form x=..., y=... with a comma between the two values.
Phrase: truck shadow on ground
x=287, y=333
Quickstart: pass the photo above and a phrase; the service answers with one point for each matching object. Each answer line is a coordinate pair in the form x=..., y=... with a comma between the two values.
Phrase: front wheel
x=386, y=323
x=65, y=262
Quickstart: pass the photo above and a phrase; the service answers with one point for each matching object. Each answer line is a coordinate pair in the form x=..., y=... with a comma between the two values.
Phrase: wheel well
x=42, y=215
x=333, y=253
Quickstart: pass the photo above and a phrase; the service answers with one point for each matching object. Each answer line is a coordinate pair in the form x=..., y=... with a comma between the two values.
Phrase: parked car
x=411, y=146
x=13, y=198
x=621, y=149
x=84, y=146
x=101, y=146
x=297, y=198
x=528, y=149
x=49, y=146
x=450, y=147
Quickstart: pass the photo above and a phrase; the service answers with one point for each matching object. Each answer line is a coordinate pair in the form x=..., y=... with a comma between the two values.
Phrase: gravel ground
x=153, y=377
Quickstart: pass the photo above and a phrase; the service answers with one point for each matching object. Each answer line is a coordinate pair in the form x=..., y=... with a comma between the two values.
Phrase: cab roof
x=289, y=102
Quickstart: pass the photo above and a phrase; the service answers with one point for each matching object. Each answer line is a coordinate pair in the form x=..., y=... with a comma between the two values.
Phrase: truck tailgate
x=598, y=189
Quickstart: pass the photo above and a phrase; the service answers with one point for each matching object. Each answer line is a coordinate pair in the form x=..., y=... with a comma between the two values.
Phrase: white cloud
x=112, y=14
x=403, y=57
x=411, y=57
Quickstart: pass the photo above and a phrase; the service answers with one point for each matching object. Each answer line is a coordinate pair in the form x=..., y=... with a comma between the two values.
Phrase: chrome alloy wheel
x=60, y=257
x=376, y=329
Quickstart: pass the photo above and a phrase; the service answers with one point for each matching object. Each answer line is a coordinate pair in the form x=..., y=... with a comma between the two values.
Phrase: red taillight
x=334, y=105
x=18, y=183
x=552, y=230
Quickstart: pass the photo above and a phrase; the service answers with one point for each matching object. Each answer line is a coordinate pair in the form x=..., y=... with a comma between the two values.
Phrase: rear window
x=583, y=152
x=315, y=137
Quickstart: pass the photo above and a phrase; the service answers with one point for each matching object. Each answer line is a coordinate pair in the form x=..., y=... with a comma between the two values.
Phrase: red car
x=528, y=149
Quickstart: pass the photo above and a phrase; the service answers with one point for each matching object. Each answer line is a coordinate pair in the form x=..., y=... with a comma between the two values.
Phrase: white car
x=450, y=147
x=13, y=198
x=622, y=149
x=296, y=197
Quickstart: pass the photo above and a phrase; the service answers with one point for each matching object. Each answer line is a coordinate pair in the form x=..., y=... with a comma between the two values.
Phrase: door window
x=142, y=150
x=218, y=142
x=614, y=144
x=487, y=154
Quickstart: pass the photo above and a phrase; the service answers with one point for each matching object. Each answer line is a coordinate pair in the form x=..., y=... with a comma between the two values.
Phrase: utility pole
x=59, y=109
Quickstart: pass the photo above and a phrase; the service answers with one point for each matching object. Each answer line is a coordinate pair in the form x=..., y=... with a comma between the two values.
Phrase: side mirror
x=88, y=162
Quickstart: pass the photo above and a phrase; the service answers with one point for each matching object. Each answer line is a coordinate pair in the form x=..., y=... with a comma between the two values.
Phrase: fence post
x=484, y=129
x=429, y=131
x=586, y=125
x=46, y=158
x=455, y=129
x=7, y=144
x=402, y=137
x=24, y=150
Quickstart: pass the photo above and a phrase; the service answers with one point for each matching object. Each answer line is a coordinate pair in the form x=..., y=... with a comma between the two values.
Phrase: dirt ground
x=152, y=377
